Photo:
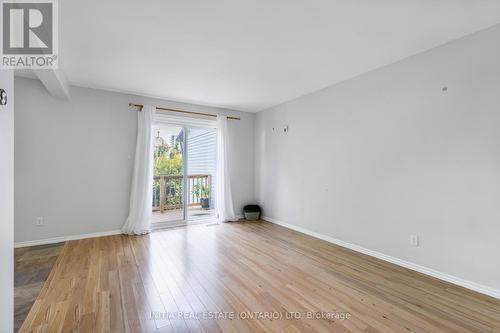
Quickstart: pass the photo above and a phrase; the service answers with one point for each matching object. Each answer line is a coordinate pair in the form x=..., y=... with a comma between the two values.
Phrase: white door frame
x=185, y=176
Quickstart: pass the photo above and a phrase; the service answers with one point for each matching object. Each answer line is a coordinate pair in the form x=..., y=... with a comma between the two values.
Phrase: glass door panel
x=168, y=178
x=201, y=175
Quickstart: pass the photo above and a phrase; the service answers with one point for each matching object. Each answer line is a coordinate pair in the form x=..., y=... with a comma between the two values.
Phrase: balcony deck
x=167, y=198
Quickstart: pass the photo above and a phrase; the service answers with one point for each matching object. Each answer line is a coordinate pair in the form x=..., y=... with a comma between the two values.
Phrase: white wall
x=388, y=154
x=7, y=204
x=74, y=159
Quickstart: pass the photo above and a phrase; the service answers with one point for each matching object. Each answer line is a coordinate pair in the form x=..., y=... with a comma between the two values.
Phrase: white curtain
x=141, y=196
x=224, y=198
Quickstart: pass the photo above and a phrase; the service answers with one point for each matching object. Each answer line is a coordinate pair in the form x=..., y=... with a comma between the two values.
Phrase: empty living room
x=250, y=166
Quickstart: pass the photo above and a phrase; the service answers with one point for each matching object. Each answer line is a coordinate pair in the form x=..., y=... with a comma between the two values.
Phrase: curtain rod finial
x=140, y=106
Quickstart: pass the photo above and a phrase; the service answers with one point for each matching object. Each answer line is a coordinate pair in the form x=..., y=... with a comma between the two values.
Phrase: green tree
x=167, y=160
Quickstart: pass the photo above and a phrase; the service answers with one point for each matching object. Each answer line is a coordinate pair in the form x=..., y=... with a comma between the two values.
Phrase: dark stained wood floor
x=32, y=266
x=143, y=284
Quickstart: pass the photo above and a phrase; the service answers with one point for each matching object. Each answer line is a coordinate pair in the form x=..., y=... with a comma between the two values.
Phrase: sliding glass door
x=184, y=174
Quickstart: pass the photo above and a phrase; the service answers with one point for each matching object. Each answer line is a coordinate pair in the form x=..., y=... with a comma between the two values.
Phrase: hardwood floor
x=32, y=266
x=132, y=284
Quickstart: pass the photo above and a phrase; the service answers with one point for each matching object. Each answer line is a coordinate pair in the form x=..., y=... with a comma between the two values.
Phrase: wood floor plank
x=244, y=277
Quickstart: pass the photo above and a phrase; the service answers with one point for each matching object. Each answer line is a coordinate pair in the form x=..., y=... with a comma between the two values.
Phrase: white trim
x=166, y=225
x=164, y=119
x=400, y=262
x=185, y=175
x=66, y=238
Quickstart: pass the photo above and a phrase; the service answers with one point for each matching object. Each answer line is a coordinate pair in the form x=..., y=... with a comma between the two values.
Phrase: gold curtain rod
x=140, y=106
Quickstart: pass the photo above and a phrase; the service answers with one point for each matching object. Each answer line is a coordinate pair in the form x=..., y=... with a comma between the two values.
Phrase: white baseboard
x=53, y=240
x=400, y=262
x=66, y=238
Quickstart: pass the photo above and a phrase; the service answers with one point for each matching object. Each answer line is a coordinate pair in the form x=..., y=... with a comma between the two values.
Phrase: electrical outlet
x=39, y=221
x=414, y=240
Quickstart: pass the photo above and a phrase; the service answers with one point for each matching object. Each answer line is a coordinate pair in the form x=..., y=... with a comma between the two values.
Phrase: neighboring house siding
x=202, y=154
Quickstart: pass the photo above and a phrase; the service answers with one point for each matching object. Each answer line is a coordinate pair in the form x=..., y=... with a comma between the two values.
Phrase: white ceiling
x=250, y=54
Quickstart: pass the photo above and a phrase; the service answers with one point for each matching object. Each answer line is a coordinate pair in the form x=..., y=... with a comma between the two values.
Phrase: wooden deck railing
x=167, y=191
